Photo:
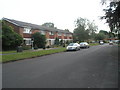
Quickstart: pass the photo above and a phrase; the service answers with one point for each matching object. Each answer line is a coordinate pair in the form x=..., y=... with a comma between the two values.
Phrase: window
x=65, y=34
x=59, y=34
x=27, y=30
x=70, y=35
x=27, y=41
x=43, y=32
x=51, y=33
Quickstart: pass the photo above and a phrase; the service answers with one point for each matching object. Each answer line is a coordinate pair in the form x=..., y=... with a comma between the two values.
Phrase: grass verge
x=94, y=44
x=6, y=52
x=25, y=55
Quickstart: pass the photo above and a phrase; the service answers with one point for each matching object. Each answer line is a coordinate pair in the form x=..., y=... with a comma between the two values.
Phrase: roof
x=33, y=26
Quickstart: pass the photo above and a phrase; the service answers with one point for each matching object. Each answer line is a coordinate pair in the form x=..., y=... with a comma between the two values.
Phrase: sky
x=62, y=13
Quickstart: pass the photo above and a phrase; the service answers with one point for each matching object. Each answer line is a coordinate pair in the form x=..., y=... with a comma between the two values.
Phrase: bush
x=35, y=47
x=48, y=46
x=26, y=47
x=10, y=39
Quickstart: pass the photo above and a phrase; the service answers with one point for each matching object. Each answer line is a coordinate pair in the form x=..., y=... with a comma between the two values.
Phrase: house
x=27, y=29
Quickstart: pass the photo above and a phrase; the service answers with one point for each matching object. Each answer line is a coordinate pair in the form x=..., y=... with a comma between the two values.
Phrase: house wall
x=50, y=38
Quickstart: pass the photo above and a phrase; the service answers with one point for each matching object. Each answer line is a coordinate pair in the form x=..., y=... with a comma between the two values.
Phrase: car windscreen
x=83, y=43
x=71, y=44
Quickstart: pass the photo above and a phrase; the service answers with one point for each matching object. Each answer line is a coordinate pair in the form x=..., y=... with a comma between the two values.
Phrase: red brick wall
x=56, y=35
x=34, y=31
x=47, y=35
x=62, y=36
x=16, y=28
x=20, y=30
x=51, y=36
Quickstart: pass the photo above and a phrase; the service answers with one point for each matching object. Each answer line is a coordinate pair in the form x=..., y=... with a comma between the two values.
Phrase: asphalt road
x=96, y=67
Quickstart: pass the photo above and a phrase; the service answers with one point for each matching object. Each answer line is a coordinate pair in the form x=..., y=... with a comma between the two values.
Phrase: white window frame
x=65, y=34
x=51, y=33
x=27, y=41
x=27, y=30
x=43, y=32
x=59, y=34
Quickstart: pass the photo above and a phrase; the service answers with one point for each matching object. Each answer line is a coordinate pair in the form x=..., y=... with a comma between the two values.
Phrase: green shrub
x=48, y=46
x=26, y=47
x=35, y=47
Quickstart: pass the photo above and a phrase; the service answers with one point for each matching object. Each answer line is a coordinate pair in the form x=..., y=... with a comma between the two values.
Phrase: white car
x=101, y=42
x=84, y=45
x=110, y=43
x=73, y=46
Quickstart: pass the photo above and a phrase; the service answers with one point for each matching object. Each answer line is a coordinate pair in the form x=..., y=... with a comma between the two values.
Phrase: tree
x=10, y=39
x=67, y=30
x=39, y=40
x=106, y=34
x=100, y=36
x=49, y=24
x=112, y=14
x=92, y=28
x=80, y=33
x=61, y=42
x=57, y=41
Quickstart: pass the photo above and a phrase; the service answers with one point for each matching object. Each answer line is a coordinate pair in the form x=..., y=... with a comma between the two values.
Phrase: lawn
x=94, y=44
x=24, y=55
x=6, y=52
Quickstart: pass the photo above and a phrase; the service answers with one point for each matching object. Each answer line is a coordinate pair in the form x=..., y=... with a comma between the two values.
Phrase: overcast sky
x=62, y=13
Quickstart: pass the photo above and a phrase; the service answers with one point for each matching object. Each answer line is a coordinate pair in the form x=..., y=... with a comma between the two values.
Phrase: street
x=95, y=67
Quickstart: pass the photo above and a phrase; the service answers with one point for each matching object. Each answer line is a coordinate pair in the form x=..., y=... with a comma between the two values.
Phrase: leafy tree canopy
x=84, y=30
x=10, y=39
x=49, y=24
x=39, y=40
x=112, y=14
x=57, y=41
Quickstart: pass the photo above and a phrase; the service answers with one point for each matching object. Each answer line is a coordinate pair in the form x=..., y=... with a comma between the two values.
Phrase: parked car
x=101, y=42
x=110, y=43
x=73, y=46
x=84, y=45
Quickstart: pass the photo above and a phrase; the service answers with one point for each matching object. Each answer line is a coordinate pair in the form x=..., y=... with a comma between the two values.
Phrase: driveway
x=95, y=67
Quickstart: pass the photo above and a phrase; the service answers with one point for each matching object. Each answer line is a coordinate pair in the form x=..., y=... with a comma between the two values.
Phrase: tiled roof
x=34, y=26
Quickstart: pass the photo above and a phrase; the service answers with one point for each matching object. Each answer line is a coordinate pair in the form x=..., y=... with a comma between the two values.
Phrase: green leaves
x=10, y=39
x=39, y=40
x=84, y=30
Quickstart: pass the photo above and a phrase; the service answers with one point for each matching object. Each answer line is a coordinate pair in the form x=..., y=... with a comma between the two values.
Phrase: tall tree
x=92, y=28
x=80, y=32
x=10, y=39
x=100, y=36
x=112, y=14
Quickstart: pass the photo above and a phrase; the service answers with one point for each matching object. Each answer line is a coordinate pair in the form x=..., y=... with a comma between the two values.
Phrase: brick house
x=27, y=29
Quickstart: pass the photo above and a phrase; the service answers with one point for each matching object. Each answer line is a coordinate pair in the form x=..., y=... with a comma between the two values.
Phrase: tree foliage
x=112, y=14
x=99, y=36
x=10, y=39
x=57, y=41
x=48, y=24
x=84, y=30
x=39, y=40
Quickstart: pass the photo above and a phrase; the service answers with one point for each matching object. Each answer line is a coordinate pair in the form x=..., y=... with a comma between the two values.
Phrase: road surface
x=95, y=67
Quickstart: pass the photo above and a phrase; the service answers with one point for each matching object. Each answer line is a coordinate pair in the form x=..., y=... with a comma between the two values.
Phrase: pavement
x=95, y=67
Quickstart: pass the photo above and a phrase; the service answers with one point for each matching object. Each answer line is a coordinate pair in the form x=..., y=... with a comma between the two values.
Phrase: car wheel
x=76, y=49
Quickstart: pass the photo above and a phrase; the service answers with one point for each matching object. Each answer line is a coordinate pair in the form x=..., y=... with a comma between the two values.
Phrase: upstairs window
x=43, y=32
x=70, y=35
x=65, y=34
x=59, y=34
x=51, y=33
x=27, y=30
